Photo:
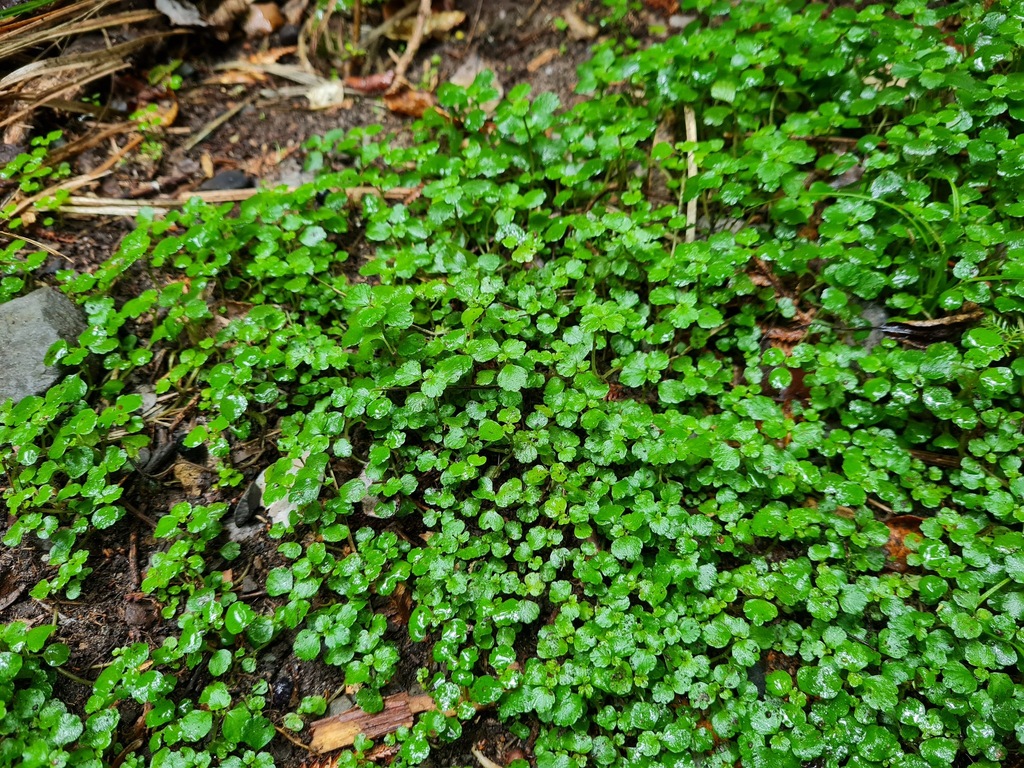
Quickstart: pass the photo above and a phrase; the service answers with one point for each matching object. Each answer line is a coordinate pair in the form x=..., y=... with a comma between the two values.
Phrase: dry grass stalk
x=690, y=123
x=63, y=88
x=75, y=61
x=13, y=41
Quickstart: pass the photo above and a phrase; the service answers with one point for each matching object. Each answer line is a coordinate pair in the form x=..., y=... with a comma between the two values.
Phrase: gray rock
x=877, y=316
x=231, y=179
x=339, y=706
x=29, y=326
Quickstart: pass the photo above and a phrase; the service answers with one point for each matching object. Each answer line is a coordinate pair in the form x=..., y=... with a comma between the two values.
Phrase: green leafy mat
x=686, y=504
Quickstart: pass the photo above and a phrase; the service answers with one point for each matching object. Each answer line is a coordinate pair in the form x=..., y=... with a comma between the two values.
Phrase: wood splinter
x=332, y=733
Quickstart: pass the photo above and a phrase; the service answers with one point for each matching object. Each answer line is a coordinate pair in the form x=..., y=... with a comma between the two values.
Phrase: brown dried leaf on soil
x=901, y=528
x=263, y=20
x=665, y=7
x=436, y=24
x=409, y=102
x=371, y=85
x=237, y=77
x=271, y=55
x=228, y=12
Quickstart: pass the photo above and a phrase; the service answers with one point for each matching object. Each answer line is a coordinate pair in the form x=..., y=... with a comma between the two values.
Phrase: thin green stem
x=76, y=678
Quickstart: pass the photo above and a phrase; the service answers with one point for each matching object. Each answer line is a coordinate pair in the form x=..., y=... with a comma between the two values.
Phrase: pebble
x=230, y=179
x=29, y=326
x=339, y=706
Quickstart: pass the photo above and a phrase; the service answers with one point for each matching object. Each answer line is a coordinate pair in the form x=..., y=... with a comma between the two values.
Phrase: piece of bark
x=332, y=733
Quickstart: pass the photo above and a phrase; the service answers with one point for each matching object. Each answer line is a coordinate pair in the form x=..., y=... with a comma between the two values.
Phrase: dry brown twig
x=216, y=123
x=316, y=33
x=384, y=29
x=71, y=184
x=133, y=560
x=292, y=739
x=415, y=41
x=16, y=123
x=78, y=146
x=40, y=245
x=476, y=23
x=357, y=22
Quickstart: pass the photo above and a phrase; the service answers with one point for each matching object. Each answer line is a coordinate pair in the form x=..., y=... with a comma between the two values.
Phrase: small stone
x=681, y=21
x=250, y=503
x=231, y=179
x=29, y=326
x=289, y=34
x=339, y=706
x=877, y=317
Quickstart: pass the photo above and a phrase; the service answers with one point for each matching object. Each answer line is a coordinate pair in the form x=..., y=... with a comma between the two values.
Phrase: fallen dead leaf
x=237, y=77
x=293, y=11
x=263, y=20
x=436, y=24
x=226, y=13
x=166, y=112
x=409, y=102
x=271, y=55
x=664, y=7
x=290, y=72
x=900, y=528
x=181, y=13
x=371, y=85
x=578, y=28
x=544, y=57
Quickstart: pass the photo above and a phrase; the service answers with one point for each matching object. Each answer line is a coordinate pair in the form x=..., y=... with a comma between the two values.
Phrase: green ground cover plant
x=685, y=504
